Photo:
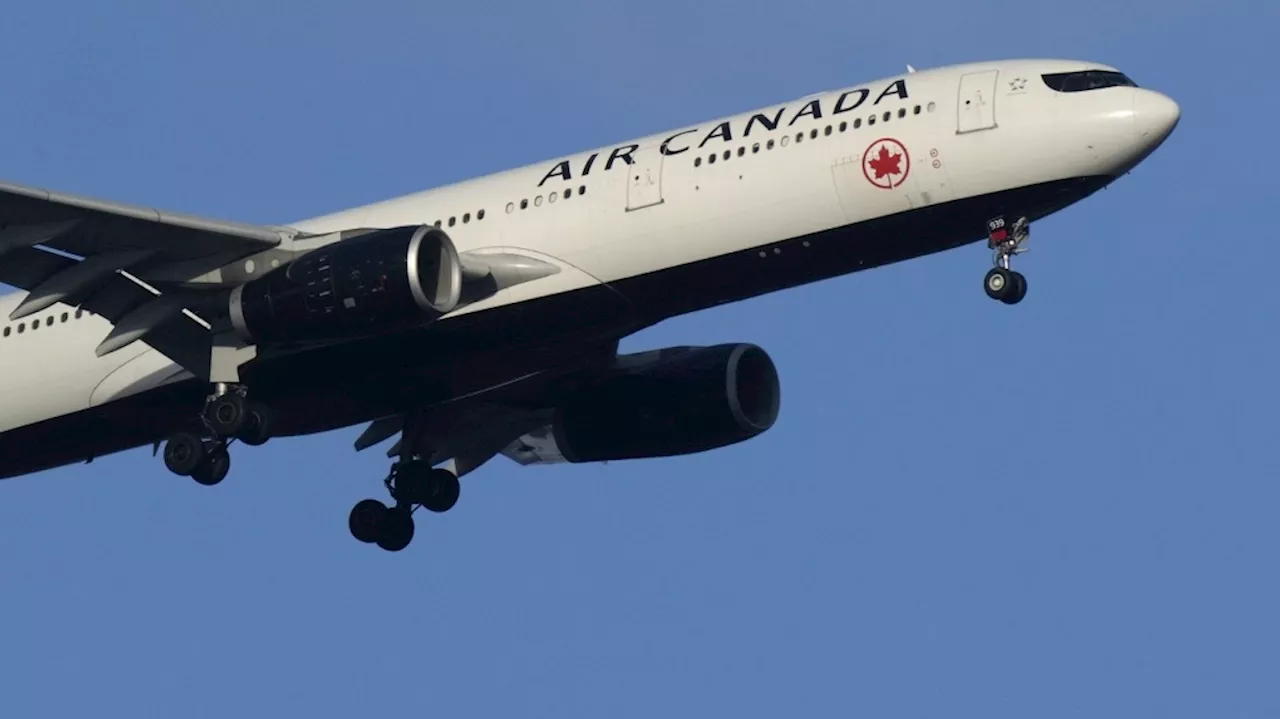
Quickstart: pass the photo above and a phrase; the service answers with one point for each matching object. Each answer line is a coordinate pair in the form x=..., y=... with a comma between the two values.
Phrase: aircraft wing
x=123, y=263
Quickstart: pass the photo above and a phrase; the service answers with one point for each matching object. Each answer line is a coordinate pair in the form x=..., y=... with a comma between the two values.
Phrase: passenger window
x=524, y=204
x=64, y=316
x=556, y=195
x=768, y=145
x=887, y=115
x=785, y=139
x=511, y=206
x=582, y=189
x=727, y=154
x=466, y=217
x=902, y=112
x=537, y=201
x=438, y=223
x=453, y=221
x=799, y=137
x=932, y=106
x=21, y=326
x=742, y=151
x=711, y=160
x=755, y=148
x=6, y=331
x=79, y=313
x=697, y=162
x=871, y=120
x=35, y=324
x=857, y=122
x=568, y=193
x=844, y=126
x=916, y=111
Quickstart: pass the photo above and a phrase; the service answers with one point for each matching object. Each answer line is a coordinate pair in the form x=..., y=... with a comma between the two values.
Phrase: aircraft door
x=975, y=107
x=644, y=179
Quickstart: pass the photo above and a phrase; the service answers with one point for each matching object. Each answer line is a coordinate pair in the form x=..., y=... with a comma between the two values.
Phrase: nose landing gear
x=1002, y=282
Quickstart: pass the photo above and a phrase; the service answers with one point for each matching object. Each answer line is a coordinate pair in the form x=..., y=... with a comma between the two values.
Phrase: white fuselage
x=834, y=159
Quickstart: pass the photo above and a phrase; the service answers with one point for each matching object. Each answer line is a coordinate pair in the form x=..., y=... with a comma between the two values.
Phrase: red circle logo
x=886, y=163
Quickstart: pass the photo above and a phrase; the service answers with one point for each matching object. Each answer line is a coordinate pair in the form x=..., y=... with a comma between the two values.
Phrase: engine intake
x=693, y=401
x=377, y=282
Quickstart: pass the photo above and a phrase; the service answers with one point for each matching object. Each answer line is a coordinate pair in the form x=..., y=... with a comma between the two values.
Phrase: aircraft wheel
x=397, y=529
x=257, y=426
x=183, y=453
x=367, y=519
x=1019, y=290
x=445, y=491
x=214, y=468
x=999, y=283
x=414, y=482
x=227, y=414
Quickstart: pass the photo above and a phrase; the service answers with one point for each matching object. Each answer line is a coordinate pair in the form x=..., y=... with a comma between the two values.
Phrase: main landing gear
x=412, y=483
x=1002, y=282
x=228, y=416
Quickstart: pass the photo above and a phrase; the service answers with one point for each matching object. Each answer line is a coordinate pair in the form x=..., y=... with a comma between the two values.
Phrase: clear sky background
x=1066, y=508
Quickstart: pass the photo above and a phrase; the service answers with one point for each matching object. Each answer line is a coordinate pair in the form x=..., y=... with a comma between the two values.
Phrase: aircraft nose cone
x=1155, y=115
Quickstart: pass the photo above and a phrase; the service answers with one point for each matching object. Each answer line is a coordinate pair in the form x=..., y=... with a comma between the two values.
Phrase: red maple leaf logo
x=886, y=163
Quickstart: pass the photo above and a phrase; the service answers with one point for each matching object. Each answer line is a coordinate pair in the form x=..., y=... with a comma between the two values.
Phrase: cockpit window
x=1086, y=80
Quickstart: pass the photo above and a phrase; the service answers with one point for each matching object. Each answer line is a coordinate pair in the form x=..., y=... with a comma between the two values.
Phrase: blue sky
x=1062, y=509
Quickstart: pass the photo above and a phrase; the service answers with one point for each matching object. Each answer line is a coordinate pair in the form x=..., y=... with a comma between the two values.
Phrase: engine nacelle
x=696, y=400
x=380, y=281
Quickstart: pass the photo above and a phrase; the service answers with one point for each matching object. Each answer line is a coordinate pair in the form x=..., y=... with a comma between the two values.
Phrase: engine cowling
x=696, y=400
x=377, y=282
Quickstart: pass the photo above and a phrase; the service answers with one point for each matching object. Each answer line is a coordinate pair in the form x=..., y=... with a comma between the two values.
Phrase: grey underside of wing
x=100, y=252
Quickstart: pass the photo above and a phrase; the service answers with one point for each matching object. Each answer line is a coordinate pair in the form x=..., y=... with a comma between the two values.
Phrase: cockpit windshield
x=1086, y=80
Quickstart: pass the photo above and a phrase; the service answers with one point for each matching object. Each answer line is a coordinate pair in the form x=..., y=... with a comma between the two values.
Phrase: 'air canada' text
x=725, y=132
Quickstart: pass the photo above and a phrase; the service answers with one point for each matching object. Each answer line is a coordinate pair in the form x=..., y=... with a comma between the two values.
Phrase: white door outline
x=644, y=179
x=976, y=104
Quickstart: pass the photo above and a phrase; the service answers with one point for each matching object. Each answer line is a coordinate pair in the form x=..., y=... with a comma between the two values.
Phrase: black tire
x=999, y=283
x=1019, y=290
x=227, y=414
x=414, y=483
x=396, y=531
x=214, y=468
x=367, y=519
x=183, y=453
x=257, y=426
x=445, y=491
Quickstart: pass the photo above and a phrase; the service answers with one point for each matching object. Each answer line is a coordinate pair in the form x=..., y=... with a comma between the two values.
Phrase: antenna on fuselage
x=910, y=69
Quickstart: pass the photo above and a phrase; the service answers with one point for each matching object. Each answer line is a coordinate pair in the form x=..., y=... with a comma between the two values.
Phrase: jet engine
x=380, y=281
x=694, y=400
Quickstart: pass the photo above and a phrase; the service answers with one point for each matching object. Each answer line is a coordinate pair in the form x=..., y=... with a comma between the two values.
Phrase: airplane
x=483, y=318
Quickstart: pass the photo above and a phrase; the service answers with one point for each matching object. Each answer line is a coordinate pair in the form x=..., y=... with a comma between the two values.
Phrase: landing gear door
x=644, y=179
x=976, y=106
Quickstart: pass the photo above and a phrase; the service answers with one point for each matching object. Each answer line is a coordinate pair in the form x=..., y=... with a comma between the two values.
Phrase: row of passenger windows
x=35, y=324
x=466, y=218
x=813, y=134
x=551, y=198
x=511, y=206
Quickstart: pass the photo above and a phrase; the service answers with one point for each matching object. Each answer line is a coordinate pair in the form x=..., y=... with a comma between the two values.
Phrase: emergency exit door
x=644, y=179
x=976, y=106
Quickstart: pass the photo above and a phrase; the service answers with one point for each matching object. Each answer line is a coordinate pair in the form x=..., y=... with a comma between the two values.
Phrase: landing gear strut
x=412, y=483
x=1002, y=282
x=227, y=416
